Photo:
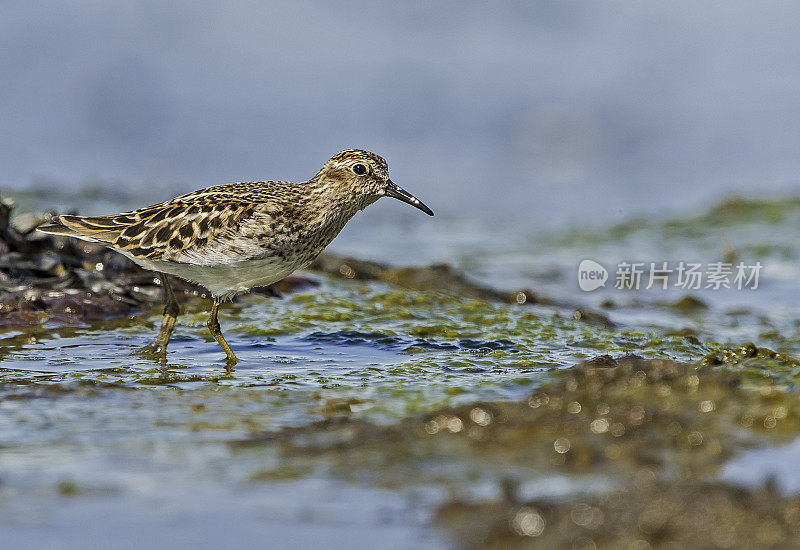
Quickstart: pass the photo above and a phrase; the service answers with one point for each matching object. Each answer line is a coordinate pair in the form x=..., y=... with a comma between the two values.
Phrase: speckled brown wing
x=167, y=231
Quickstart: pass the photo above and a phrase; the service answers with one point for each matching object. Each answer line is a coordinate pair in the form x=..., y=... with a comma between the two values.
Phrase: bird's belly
x=225, y=280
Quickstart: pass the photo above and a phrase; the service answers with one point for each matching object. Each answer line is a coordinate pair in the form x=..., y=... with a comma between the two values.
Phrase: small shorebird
x=231, y=238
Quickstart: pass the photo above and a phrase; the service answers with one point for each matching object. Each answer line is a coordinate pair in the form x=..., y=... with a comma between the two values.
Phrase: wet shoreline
x=468, y=416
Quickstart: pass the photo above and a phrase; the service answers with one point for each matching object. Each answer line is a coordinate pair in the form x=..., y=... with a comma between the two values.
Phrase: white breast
x=229, y=279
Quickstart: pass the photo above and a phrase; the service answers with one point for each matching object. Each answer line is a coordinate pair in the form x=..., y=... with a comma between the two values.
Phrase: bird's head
x=365, y=177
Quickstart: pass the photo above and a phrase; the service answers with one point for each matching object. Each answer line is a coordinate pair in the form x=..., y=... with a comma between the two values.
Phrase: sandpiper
x=231, y=238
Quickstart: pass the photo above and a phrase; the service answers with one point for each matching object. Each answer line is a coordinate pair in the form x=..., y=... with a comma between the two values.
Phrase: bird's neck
x=333, y=200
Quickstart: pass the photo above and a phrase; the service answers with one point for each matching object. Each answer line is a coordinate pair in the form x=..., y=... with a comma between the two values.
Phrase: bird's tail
x=79, y=227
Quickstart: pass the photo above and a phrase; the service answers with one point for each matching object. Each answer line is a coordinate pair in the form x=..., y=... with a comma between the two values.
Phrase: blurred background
x=546, y=112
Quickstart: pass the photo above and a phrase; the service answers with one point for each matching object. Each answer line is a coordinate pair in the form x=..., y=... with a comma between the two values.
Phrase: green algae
x=734, y=216
x=438, y=347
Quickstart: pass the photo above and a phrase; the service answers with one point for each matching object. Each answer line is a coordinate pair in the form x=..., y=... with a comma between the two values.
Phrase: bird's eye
x=359, y=169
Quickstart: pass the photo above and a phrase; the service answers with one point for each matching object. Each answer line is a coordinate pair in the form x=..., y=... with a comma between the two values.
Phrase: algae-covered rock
x=604, y=415
x=656, y=432
x=688, y=304
x=649, y=514
x=446, y=280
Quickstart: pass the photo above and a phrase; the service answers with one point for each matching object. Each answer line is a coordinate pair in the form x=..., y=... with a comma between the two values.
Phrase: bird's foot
x=230, y=361
x=156, y=351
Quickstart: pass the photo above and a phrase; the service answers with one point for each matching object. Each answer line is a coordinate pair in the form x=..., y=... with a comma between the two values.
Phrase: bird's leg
x=213, y=327
x=171, y=311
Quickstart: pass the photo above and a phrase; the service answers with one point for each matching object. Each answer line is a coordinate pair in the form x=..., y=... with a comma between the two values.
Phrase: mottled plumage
x=230, y=238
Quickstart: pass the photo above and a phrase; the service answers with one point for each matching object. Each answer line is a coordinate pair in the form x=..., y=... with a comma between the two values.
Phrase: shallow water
x=305, y=439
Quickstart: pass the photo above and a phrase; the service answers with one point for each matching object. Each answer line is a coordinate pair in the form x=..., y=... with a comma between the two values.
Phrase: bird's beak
x=396, y=192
